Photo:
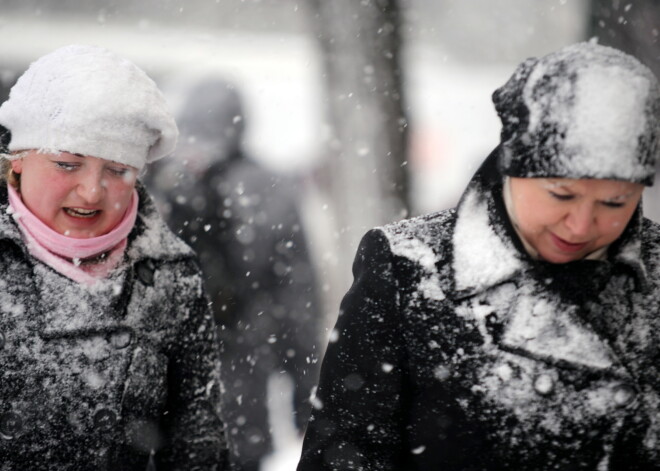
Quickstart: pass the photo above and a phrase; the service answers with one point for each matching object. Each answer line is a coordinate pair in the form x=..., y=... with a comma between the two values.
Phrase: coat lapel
x=550, y=330
x=481, y=257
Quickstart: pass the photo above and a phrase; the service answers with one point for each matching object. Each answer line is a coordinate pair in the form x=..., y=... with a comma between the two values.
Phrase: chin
x=561, y=258
x=80, y=234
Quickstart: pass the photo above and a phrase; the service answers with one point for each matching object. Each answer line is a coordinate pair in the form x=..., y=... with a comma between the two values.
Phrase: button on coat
x=121, y=340
x=105, y=420
x=11, y=425
x=145, y=272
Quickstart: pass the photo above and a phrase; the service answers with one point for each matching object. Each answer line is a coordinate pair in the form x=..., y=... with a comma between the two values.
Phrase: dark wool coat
x=120, y=376
x=455, y=351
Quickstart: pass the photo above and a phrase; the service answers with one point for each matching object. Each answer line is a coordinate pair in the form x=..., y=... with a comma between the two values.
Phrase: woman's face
x=78, y=196
x=566, y=219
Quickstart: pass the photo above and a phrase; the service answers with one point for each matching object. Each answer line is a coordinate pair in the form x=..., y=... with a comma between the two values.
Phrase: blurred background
x=370, y=110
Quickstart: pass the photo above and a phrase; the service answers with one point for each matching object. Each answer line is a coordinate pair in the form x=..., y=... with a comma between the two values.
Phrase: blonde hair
x=7, y=173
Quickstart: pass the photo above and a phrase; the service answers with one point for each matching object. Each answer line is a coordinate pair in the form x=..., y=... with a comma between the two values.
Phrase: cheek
x=525, y=210
x=119, y=196
x=534, y=218
x=45, y=193
x=530, y=225
x=614, y=225
x=611, y=228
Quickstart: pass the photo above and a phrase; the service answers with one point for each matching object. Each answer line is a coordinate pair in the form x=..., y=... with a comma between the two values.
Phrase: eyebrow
x=619, y=197
x=550, y=184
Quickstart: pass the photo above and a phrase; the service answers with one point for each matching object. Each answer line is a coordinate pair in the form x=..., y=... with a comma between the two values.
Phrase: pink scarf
x=64, y=254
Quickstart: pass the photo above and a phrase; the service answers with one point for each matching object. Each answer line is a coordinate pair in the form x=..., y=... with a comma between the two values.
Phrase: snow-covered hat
x=585, y=111
x=88, y=100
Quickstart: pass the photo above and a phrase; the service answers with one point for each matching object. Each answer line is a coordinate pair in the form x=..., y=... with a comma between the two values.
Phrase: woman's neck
x=83, y=260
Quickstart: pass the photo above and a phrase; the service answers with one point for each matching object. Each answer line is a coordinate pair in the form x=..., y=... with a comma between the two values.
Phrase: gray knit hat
x=585, y=111
x=88, y=100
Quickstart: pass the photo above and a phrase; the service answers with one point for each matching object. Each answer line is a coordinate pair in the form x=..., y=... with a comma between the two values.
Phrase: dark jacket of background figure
x=119, y=376
x=243, y=222
x=455, y=351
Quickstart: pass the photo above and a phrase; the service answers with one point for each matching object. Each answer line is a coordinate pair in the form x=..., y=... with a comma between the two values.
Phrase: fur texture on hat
x=88, y=100
x=585, y=111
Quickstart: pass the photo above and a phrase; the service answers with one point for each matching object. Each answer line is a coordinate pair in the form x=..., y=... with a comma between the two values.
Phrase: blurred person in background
x=243, y=222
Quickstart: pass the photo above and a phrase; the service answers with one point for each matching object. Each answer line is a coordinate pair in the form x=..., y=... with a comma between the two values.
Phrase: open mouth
x=81, y=213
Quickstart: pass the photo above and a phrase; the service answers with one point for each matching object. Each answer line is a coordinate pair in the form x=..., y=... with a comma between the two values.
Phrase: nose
x=580, y=219
x=90, y=187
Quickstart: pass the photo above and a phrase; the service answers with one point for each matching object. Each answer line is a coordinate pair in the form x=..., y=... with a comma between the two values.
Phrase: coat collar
x=483, y=247
x=487, y=251
x=8, y=227
x=151, y=237
x=482, y=257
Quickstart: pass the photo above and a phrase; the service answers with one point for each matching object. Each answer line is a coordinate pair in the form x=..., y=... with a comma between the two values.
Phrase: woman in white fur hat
x=108, y=357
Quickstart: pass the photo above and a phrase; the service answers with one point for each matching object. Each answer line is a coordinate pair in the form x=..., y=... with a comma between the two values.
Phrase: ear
x=17, y=165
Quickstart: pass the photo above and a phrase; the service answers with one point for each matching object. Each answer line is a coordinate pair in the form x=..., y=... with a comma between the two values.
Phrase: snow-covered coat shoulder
x=454, y=350
x=118, y=376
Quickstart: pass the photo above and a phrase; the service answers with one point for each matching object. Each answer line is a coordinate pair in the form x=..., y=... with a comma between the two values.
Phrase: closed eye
x=613, y=204
x=68, y=166
x=118, y=171
x=561, y=197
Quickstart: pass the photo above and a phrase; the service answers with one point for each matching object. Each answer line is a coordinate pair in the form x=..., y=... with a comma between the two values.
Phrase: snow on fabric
x=525, y=365
x=602, y=114
x=597, y=132
x=586, y=111
x=543, y=326
x=419, y=252
x=88, y=100
x=481, y=257
x=126, y=349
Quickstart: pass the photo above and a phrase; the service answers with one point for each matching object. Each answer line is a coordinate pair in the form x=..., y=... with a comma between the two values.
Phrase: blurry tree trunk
x=367, y=177
x=633, y=27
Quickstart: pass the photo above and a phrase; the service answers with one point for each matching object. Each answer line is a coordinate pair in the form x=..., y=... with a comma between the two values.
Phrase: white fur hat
x=88, y=100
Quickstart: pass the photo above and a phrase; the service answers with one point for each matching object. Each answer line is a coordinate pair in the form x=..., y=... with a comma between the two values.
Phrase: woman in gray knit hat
x=520, y=330
x=108, y=358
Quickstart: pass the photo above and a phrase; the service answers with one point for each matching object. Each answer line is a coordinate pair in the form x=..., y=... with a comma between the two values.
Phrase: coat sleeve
x=196, y=435
x=357, y=421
